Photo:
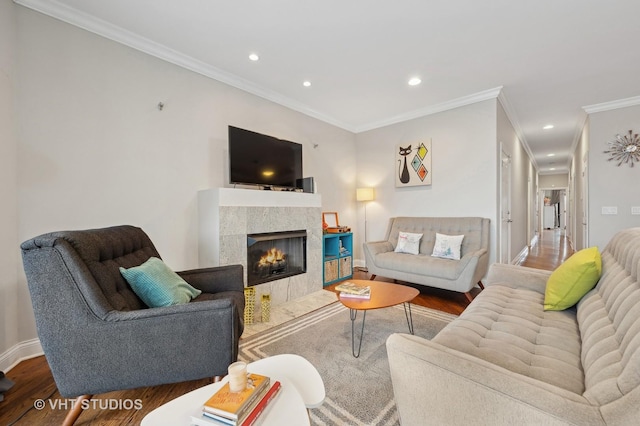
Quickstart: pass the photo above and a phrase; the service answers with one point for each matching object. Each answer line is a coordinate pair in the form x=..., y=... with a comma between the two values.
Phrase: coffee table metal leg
x=353, y=313
x=407, y=307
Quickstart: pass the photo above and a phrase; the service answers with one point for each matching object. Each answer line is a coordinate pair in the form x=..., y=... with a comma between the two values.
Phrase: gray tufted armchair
x=98, y=336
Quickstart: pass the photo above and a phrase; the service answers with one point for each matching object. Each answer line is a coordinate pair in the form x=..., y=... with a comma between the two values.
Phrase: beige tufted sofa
x=506, y=361
x=457, y=275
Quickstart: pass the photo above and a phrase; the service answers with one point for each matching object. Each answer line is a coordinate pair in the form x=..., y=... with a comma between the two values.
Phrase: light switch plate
x=610, y=210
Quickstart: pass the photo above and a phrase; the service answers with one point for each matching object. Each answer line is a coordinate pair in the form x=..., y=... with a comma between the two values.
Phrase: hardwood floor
x=551, y=249
x=34, y=380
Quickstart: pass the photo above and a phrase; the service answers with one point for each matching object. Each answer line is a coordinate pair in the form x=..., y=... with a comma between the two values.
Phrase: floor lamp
x=365, y=195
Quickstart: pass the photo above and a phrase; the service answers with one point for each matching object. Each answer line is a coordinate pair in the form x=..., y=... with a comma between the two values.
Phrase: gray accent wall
x=609, y=185
x=11, y=316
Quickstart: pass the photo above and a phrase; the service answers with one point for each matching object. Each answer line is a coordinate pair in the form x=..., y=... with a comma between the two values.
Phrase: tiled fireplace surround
x=227, y=215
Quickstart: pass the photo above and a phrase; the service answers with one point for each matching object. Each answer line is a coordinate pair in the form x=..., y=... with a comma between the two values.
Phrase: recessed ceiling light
x=551, y=155
x=552, y=168
x=254, y=57
x=548, y=126
x=414, y=81
x=306, y=83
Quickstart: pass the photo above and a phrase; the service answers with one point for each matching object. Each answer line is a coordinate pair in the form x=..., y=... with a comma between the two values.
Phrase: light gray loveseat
x=457, y=275
x=506, y=361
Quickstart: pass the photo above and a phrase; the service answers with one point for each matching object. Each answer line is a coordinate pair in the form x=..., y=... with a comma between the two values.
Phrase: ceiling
x=547, y=59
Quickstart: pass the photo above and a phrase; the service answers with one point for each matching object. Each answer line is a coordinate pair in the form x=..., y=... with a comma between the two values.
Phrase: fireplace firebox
x=275, y=255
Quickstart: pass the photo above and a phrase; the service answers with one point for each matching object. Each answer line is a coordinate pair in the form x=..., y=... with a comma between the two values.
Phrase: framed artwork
x=413, y=164
x=331, y=219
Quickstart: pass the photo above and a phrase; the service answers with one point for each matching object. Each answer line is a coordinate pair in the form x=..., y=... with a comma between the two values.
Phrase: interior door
x=505, y=206
x=585, y=202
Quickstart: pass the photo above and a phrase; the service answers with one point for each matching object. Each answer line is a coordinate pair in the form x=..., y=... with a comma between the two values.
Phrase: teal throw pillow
x=157, y=285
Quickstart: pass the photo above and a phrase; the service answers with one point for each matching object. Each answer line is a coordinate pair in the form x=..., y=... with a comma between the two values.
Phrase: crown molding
x=433, y=109
x=112, y=32
x=511, y=115
x=608, y=106
x=580, y=125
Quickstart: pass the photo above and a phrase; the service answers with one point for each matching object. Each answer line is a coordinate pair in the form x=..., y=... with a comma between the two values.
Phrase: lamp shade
x=365, y=194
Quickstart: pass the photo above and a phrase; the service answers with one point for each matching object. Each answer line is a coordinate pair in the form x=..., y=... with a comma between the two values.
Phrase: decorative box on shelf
x=330, y=224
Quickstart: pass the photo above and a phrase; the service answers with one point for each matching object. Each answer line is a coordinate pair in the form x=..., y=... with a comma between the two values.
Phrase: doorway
x=505, y=206
x=553, y=212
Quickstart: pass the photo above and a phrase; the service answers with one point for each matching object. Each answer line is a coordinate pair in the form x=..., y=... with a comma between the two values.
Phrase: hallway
x=550, y=250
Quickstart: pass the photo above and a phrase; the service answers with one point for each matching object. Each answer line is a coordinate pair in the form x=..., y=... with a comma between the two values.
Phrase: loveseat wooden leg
x=481, y=285
x=469, y=296
x=373, y=277
x=76, y=410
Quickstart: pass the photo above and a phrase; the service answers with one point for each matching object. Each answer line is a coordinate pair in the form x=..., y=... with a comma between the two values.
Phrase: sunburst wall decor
x=624, y=149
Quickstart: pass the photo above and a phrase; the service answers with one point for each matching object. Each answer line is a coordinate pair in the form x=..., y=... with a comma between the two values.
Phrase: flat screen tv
x=257, y=159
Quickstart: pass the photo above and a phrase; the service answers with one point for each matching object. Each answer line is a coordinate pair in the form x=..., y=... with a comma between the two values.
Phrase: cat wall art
x=413, y=164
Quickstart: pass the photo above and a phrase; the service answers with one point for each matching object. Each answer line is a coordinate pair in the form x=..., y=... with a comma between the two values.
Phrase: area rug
x=359, y=390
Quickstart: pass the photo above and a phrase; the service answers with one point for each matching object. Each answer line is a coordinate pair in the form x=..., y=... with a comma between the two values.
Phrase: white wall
x=554, y=181
x=580, y=171
x=610, y=185
x=464, y=167
x=94, y=150
x=520, y=182
x=9, y=250
x=533, y=203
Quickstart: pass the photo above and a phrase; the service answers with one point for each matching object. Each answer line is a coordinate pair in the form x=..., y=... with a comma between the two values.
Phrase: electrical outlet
x=635, y=210
x=610, y=210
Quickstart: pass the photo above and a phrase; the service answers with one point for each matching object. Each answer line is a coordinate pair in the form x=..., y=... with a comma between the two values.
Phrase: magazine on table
x=364, y=296
x=353, y=288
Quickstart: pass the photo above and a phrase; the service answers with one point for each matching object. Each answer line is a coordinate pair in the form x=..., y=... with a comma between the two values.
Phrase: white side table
x=298, y=371
x=302, y=388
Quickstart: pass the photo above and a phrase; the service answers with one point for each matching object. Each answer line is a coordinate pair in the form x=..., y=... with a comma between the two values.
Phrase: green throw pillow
x=157, y=285
x=573, y=279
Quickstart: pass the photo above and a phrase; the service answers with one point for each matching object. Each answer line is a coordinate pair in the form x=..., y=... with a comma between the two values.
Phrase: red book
x=264, y=402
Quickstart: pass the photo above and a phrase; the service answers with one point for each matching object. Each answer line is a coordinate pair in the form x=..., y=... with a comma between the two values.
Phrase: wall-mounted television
x=257, y=159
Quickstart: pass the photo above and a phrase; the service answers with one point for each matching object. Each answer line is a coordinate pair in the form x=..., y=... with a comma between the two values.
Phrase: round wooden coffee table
x=383, y=295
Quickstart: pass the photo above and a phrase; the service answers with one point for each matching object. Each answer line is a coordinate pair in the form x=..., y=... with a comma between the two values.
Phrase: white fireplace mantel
x=261, y=198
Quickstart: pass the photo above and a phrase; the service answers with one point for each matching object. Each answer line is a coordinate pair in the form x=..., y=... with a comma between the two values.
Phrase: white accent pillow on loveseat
x=408, y=243
x=447, y=246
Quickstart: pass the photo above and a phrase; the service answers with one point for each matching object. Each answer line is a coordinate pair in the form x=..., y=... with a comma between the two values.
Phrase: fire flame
x=272, y=256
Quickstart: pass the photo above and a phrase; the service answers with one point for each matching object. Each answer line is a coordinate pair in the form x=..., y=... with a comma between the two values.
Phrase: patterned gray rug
x=359, y=390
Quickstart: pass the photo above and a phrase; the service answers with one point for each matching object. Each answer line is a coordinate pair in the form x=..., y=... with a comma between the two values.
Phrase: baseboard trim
x=521, y=257
x=20, y=352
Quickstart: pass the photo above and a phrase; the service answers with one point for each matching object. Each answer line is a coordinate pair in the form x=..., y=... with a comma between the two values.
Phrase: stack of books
x=239, y=408
x=349, y=289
